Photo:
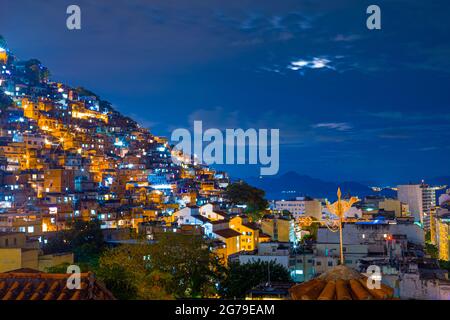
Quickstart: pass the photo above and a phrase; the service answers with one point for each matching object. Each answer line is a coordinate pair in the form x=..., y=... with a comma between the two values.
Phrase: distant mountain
x=439, y=181
x=292, y=184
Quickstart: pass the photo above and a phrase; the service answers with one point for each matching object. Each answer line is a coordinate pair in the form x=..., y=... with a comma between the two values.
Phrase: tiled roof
x=251, y=225
x=227, y=233
x=340, y=283
x=27, y=284
x=202, y=219
x=220, y=221
x=220, y=213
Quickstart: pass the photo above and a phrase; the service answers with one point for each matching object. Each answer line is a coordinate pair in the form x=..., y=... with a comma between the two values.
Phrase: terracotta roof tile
x=340, y=283
x=33, y=285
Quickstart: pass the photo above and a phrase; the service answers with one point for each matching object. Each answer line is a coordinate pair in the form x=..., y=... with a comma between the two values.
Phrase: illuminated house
x=16, y=252
x=3, y=50
x=278, y=228
x=59, y=180
x=17, y=221
x=249, y=232
x=208, y=211
x=188, y=215
x=80, y=112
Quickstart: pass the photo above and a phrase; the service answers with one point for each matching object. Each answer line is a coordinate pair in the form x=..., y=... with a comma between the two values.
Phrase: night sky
x=350, y=103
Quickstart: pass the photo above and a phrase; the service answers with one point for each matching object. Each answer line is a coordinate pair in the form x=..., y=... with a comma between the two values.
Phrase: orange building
x=59, y=180
x=249, y=232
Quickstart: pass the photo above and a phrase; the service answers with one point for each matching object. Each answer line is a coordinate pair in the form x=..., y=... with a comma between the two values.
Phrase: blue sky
x=350, y=103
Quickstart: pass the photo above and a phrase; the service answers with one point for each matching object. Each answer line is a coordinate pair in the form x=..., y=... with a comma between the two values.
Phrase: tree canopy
x=241, y=193
x=243, y=277
x=177, y=266
x=84, y=239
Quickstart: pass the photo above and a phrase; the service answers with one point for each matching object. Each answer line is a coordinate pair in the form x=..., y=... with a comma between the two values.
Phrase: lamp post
x=339, y=208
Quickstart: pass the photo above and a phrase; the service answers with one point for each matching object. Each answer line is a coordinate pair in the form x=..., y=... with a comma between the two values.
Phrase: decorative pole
x=339, y=208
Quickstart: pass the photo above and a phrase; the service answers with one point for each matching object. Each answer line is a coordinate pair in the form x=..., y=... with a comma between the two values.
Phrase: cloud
x=314, y=63
x=346, y=38
x=339, y=126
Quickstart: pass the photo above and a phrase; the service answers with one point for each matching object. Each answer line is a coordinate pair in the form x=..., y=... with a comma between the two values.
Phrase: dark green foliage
x=35, y=72
x=444, y=265
x=241, y=193
x=177, y=266
x=84, y=239
x=194, y=269
x=431, y=250
x=243, y=277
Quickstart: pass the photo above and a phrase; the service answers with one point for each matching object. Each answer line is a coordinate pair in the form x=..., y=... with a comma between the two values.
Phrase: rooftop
x=339, y=283
x=227, y=233
x=29, y=284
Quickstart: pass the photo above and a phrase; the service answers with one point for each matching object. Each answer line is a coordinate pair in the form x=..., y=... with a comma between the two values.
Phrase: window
x=330, y=263
x=318, y=263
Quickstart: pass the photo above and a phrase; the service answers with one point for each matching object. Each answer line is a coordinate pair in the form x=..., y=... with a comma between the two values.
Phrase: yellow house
x=17, y=253
x=232, y=243
x=30, y=109
x=277, y=228
x=249, y=232
x=18, y=258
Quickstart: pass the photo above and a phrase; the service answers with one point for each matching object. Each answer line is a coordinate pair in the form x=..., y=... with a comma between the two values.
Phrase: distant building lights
x=118, y=143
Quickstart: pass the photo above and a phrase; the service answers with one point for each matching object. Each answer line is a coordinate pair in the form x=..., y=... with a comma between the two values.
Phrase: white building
x=208, y=211
x=301, y=206
x=414, y=285
x=421, y=198
x=412, y=195
x=188, y=215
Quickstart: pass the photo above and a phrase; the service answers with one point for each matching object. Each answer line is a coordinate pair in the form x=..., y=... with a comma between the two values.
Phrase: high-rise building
x=428, y=198
x=421, y=198
x=412, y=195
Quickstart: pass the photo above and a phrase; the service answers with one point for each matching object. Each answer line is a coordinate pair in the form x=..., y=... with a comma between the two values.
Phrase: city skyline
x=352, y=104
